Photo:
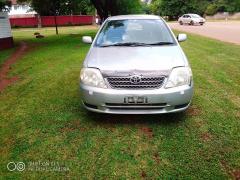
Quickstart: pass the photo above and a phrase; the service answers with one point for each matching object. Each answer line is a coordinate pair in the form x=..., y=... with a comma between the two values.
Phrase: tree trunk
x=101, y=9
x=112, y=7
x=56, y=25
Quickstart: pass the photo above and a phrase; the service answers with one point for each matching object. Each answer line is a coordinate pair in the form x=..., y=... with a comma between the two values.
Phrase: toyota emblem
x=135, y=79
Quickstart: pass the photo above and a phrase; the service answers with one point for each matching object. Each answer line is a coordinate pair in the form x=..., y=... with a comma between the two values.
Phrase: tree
x=116, y=7
x=59, y=7
x=66, y=7
x=228, y=5
x=83, y=7
x=175, y=8
x=48, y=7
x=5, y=5
x=146, y=8
x=211, y=9
x=155, y=7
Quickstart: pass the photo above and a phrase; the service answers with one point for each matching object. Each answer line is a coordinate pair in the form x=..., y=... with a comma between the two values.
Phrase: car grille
x=144, y=83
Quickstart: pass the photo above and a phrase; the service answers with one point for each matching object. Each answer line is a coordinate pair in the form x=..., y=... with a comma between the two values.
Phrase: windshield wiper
x=126, y=44
x=138, y=44
x=161, y=43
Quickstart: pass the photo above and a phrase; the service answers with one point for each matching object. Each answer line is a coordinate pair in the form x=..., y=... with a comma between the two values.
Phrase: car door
x=188, y=19
x=183, y=19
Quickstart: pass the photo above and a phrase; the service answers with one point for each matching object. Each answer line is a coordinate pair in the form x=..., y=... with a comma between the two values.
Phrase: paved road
x=224, y=31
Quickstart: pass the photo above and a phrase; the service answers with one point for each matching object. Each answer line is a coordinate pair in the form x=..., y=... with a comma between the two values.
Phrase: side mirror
x=87, y=39
x=182, y=37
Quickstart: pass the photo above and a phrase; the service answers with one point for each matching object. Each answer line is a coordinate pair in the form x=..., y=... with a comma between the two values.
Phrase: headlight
x=179, y=76
x=92, y=77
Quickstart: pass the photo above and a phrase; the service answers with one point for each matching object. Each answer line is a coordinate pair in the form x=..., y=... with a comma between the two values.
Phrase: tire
x=201, y=24
x=191, y=23
x=181, y=23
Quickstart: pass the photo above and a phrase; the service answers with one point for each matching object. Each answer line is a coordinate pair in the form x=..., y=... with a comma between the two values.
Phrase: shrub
x=211, y=9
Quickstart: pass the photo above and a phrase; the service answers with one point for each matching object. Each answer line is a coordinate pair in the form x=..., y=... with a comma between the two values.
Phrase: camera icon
x=19, y=166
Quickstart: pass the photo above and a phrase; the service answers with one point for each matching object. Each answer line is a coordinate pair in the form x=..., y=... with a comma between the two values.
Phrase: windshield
x=195, y=16
x=134, y=32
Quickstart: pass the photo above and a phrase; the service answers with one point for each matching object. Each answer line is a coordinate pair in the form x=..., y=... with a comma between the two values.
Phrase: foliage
x=146, y=8
x=175, y=8
x=4, y=5
x=155, y=7
x=211, y=9
x=117, y=7
x=227, y=5
x=61, y=7
x=81, y=7
x=104, y=7
x=128, y=7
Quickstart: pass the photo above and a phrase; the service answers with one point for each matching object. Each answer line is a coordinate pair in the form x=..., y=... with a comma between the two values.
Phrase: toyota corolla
x=135, y=65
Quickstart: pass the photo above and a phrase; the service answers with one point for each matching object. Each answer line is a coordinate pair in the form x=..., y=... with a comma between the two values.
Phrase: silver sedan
x=136, y=66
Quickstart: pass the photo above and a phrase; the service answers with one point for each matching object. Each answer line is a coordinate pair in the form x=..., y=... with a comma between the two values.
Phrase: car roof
x=123, y=17
x=191, y=14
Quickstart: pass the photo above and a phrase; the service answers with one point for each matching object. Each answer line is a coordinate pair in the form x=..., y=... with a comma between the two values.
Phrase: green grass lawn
x=42, y=120
x=4, y=54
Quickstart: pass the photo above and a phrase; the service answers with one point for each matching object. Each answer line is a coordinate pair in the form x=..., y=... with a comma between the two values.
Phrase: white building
x=20, y=10
x=6, y=39
x=147, y=1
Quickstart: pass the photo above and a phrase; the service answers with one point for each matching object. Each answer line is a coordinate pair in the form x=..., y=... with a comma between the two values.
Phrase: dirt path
x=6, y=67
x=223, y=31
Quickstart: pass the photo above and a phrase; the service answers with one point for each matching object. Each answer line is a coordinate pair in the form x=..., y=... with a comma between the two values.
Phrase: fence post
x=39, y=21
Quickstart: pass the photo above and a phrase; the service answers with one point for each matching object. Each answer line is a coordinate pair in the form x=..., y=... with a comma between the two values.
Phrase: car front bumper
x=159, y=100
x=198, y=22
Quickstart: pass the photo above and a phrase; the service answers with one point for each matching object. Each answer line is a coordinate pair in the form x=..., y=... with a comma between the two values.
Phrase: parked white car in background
x=191, y=19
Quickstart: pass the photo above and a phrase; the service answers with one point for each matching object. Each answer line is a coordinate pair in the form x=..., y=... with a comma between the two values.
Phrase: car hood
x=135, y=58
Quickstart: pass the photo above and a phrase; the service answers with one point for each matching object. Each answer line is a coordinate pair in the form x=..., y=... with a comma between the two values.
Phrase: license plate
x=135, y=100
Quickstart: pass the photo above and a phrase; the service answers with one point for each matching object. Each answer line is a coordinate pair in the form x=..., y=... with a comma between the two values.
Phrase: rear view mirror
x=87, y=39
x=182, y=37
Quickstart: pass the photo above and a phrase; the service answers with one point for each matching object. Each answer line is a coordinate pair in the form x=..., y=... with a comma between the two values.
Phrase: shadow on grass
x=114, y=119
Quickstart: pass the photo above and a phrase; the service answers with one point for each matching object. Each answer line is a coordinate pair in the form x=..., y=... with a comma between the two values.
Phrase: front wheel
x=201, y=24
x=181, y=23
